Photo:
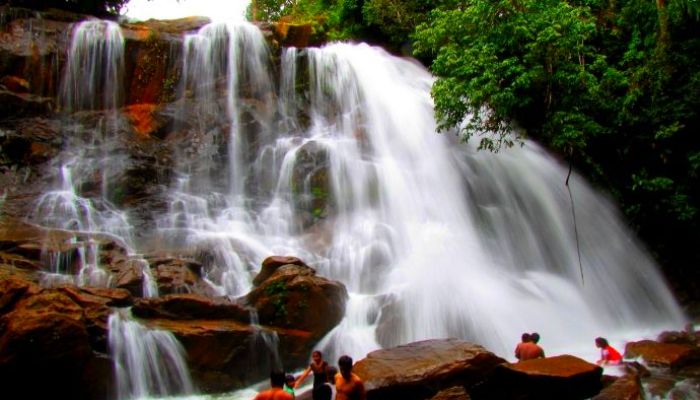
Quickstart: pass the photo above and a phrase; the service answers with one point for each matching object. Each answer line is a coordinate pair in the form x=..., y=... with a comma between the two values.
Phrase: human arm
x=302, y=377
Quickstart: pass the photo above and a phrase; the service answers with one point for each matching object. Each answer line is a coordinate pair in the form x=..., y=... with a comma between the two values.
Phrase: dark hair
x=535, y=337
x=289, y=377
x=525, y=337
x=345, y=363
x=601, y=342
x=317, y=352
x=277, y=378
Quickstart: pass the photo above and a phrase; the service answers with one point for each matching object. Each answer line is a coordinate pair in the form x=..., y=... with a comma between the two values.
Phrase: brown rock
x=293, y=35
x=43, y=338
x=144, y=119
x=419, y=370
x=190, y=307
x=453, y=393
x=662, y=354
x=225, y=354
x=560, y=377
x=129, y=276
x=15, y=84
x=271, y=264
x=626, y=387
x=96, y=303
x=176, y=275
x=295, y=297
x=12, y=289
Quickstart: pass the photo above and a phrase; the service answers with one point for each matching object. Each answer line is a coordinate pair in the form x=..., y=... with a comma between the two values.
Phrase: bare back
x=349, y=389
x=274, y=394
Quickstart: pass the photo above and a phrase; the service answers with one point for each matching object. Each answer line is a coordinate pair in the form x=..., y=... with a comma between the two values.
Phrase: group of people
x=342, y=384
x=529, y=349
x=329, y=382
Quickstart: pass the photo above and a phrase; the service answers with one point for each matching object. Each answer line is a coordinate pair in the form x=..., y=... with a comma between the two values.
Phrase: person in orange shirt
x=608, y=354
x=276, y=392
x=348, y=386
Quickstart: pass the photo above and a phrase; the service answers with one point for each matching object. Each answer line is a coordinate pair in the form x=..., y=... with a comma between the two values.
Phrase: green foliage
x=277, y=290
x=389, y=22
x=613, y=85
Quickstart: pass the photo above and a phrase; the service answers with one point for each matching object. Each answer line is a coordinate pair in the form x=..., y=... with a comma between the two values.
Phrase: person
x=528, y=349
x=317, y=366
x=524, y=338
x=276, y=391
x=289, y=383
x=348, y=386
x=608, y=354
x=325, y=390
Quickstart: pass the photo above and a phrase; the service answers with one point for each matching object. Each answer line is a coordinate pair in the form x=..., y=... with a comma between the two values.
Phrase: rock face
x=420, y=370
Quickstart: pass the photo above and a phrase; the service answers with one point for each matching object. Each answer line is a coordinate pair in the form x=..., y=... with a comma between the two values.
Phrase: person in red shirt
x=276, y=392
x=608, y=354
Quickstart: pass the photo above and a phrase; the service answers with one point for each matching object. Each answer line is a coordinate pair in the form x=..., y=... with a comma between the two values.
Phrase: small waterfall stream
x=147, y=362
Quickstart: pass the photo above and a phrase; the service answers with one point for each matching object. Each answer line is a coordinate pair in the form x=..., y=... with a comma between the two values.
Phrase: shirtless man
x=276, y=392
x=348, y=386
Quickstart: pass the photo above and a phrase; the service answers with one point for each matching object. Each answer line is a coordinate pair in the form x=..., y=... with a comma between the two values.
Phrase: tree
x=612, y=85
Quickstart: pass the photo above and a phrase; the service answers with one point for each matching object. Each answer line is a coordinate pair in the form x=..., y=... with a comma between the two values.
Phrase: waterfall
x=340, y=164
x=432, y=237
x=147, y=362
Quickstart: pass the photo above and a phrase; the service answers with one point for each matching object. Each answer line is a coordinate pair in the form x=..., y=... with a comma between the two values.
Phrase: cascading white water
x=94, y=68
x=92, y=80
x=431, y=237
x=147, y=362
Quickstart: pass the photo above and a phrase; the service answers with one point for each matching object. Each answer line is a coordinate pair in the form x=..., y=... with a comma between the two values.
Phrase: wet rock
x=190, y=307
x=12, y=289
x=294, y=297
x=177, y=275
x=626, y=387
x=44, y=336
x=453, y=393
x=272, y=264
x=419, y=370
x=560, y=377
x=96, y=304
x=289, y=34
x=15, y=84
x=662, y=354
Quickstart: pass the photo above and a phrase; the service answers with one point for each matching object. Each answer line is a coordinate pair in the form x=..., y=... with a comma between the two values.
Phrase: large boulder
x=295, y=297
x=559, y=377
x=225, y=354
x=420, y=370
x=44, y=346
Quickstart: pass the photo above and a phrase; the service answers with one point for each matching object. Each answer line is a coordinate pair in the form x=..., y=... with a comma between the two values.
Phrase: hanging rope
x=573, y=213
